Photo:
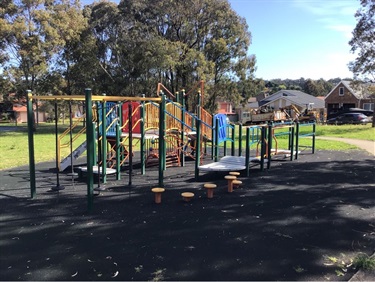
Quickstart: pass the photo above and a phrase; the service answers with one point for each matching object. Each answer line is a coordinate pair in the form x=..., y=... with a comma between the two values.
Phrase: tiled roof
x=19, y=108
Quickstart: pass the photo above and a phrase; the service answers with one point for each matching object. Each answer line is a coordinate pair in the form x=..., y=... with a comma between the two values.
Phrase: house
x=227, y=108
x=291, y=99
x=295, y=103
x=20, y=113
x=15, y=109
x=224, y=107
x=344, y=96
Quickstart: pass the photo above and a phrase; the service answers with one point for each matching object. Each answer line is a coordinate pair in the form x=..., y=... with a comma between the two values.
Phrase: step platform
x=95, y=170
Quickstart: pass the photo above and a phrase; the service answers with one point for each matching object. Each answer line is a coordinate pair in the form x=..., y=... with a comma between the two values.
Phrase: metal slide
x=75, y=154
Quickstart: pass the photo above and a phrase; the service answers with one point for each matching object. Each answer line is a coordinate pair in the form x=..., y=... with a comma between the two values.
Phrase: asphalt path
x=366, y=145
x=302, y=220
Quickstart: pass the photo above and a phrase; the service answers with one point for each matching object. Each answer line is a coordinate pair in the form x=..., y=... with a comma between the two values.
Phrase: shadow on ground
x=301, y=220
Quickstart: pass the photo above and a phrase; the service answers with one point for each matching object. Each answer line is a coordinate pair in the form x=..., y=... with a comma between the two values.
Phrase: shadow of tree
x=281, y=224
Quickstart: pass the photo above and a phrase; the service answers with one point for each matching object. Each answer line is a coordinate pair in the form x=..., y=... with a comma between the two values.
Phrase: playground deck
x=287, y=223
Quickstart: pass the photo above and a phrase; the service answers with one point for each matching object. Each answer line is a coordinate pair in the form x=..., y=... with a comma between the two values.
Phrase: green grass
x=363, y=132
x=14, y=145
x=364, y=262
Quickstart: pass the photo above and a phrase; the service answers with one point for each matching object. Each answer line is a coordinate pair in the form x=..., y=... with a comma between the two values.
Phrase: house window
x=341, y=91
x=368, y=106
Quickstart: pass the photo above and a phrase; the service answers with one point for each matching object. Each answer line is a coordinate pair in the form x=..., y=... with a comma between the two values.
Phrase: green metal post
x=216, y=145
x=197, y=149
x=161, y=140
x=182, y=99
x=199, y=104
x=240, y=140
x=130, y=122
x=104, y=140
x=90, y=149
x=262, y=147
x=98, y=143
x=291, y=136
x=212, y=137
x=233, y=141
x=313, y=138
x=118, y=152
x=297, y=139
x=30, y=129
x=269, y=147
x=182, y=135
x=178, y=99
x=247, y=152
x=225, y=146
x=95, y=136
x=121, y=123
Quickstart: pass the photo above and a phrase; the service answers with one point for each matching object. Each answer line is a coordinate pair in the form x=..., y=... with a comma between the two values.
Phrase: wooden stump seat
x=187, y=196
x=210, y=189
x=230, y=179
x=158, y=191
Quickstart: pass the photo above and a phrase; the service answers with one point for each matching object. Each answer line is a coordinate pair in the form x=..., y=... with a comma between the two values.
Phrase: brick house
x=227, y=108
x=344, y=96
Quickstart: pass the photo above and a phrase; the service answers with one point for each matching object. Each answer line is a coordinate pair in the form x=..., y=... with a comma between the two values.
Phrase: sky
x=298, y=38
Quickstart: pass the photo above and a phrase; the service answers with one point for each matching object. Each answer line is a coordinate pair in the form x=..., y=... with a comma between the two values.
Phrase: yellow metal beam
x=95, y=98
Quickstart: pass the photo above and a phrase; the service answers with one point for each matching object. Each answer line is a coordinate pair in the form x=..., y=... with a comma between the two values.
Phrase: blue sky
x=298, y=38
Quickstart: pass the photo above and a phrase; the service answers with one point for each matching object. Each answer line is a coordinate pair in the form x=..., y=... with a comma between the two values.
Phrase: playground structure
x=163, y=130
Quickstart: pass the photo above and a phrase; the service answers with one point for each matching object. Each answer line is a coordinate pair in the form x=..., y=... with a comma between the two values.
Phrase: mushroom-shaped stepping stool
x=237, y=183
x=235, y=173
x=187, y=196
x=230, y=179
x=210, y=189
x=158, y=191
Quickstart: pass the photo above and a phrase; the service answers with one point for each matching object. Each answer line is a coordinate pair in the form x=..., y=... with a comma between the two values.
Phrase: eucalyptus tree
x=363, y=42
x=181, y=42
x=67, y=24
x=100, y=51
x=27, y=39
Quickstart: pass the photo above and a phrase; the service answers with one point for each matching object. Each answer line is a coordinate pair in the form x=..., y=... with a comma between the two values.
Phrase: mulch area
x=300, y=220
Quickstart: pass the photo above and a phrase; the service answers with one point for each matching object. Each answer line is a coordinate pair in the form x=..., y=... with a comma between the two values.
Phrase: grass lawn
x=14, y=144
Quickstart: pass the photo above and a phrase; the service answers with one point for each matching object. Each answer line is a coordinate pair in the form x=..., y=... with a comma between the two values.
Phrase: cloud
x=330, y=66
x=334, y=14
x=331, y=7
x=346, y=30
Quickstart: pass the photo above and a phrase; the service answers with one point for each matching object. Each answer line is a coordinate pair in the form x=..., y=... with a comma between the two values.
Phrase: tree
x=26, y=39
x=183, y=42
x=363, y=42
x=68, y=23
